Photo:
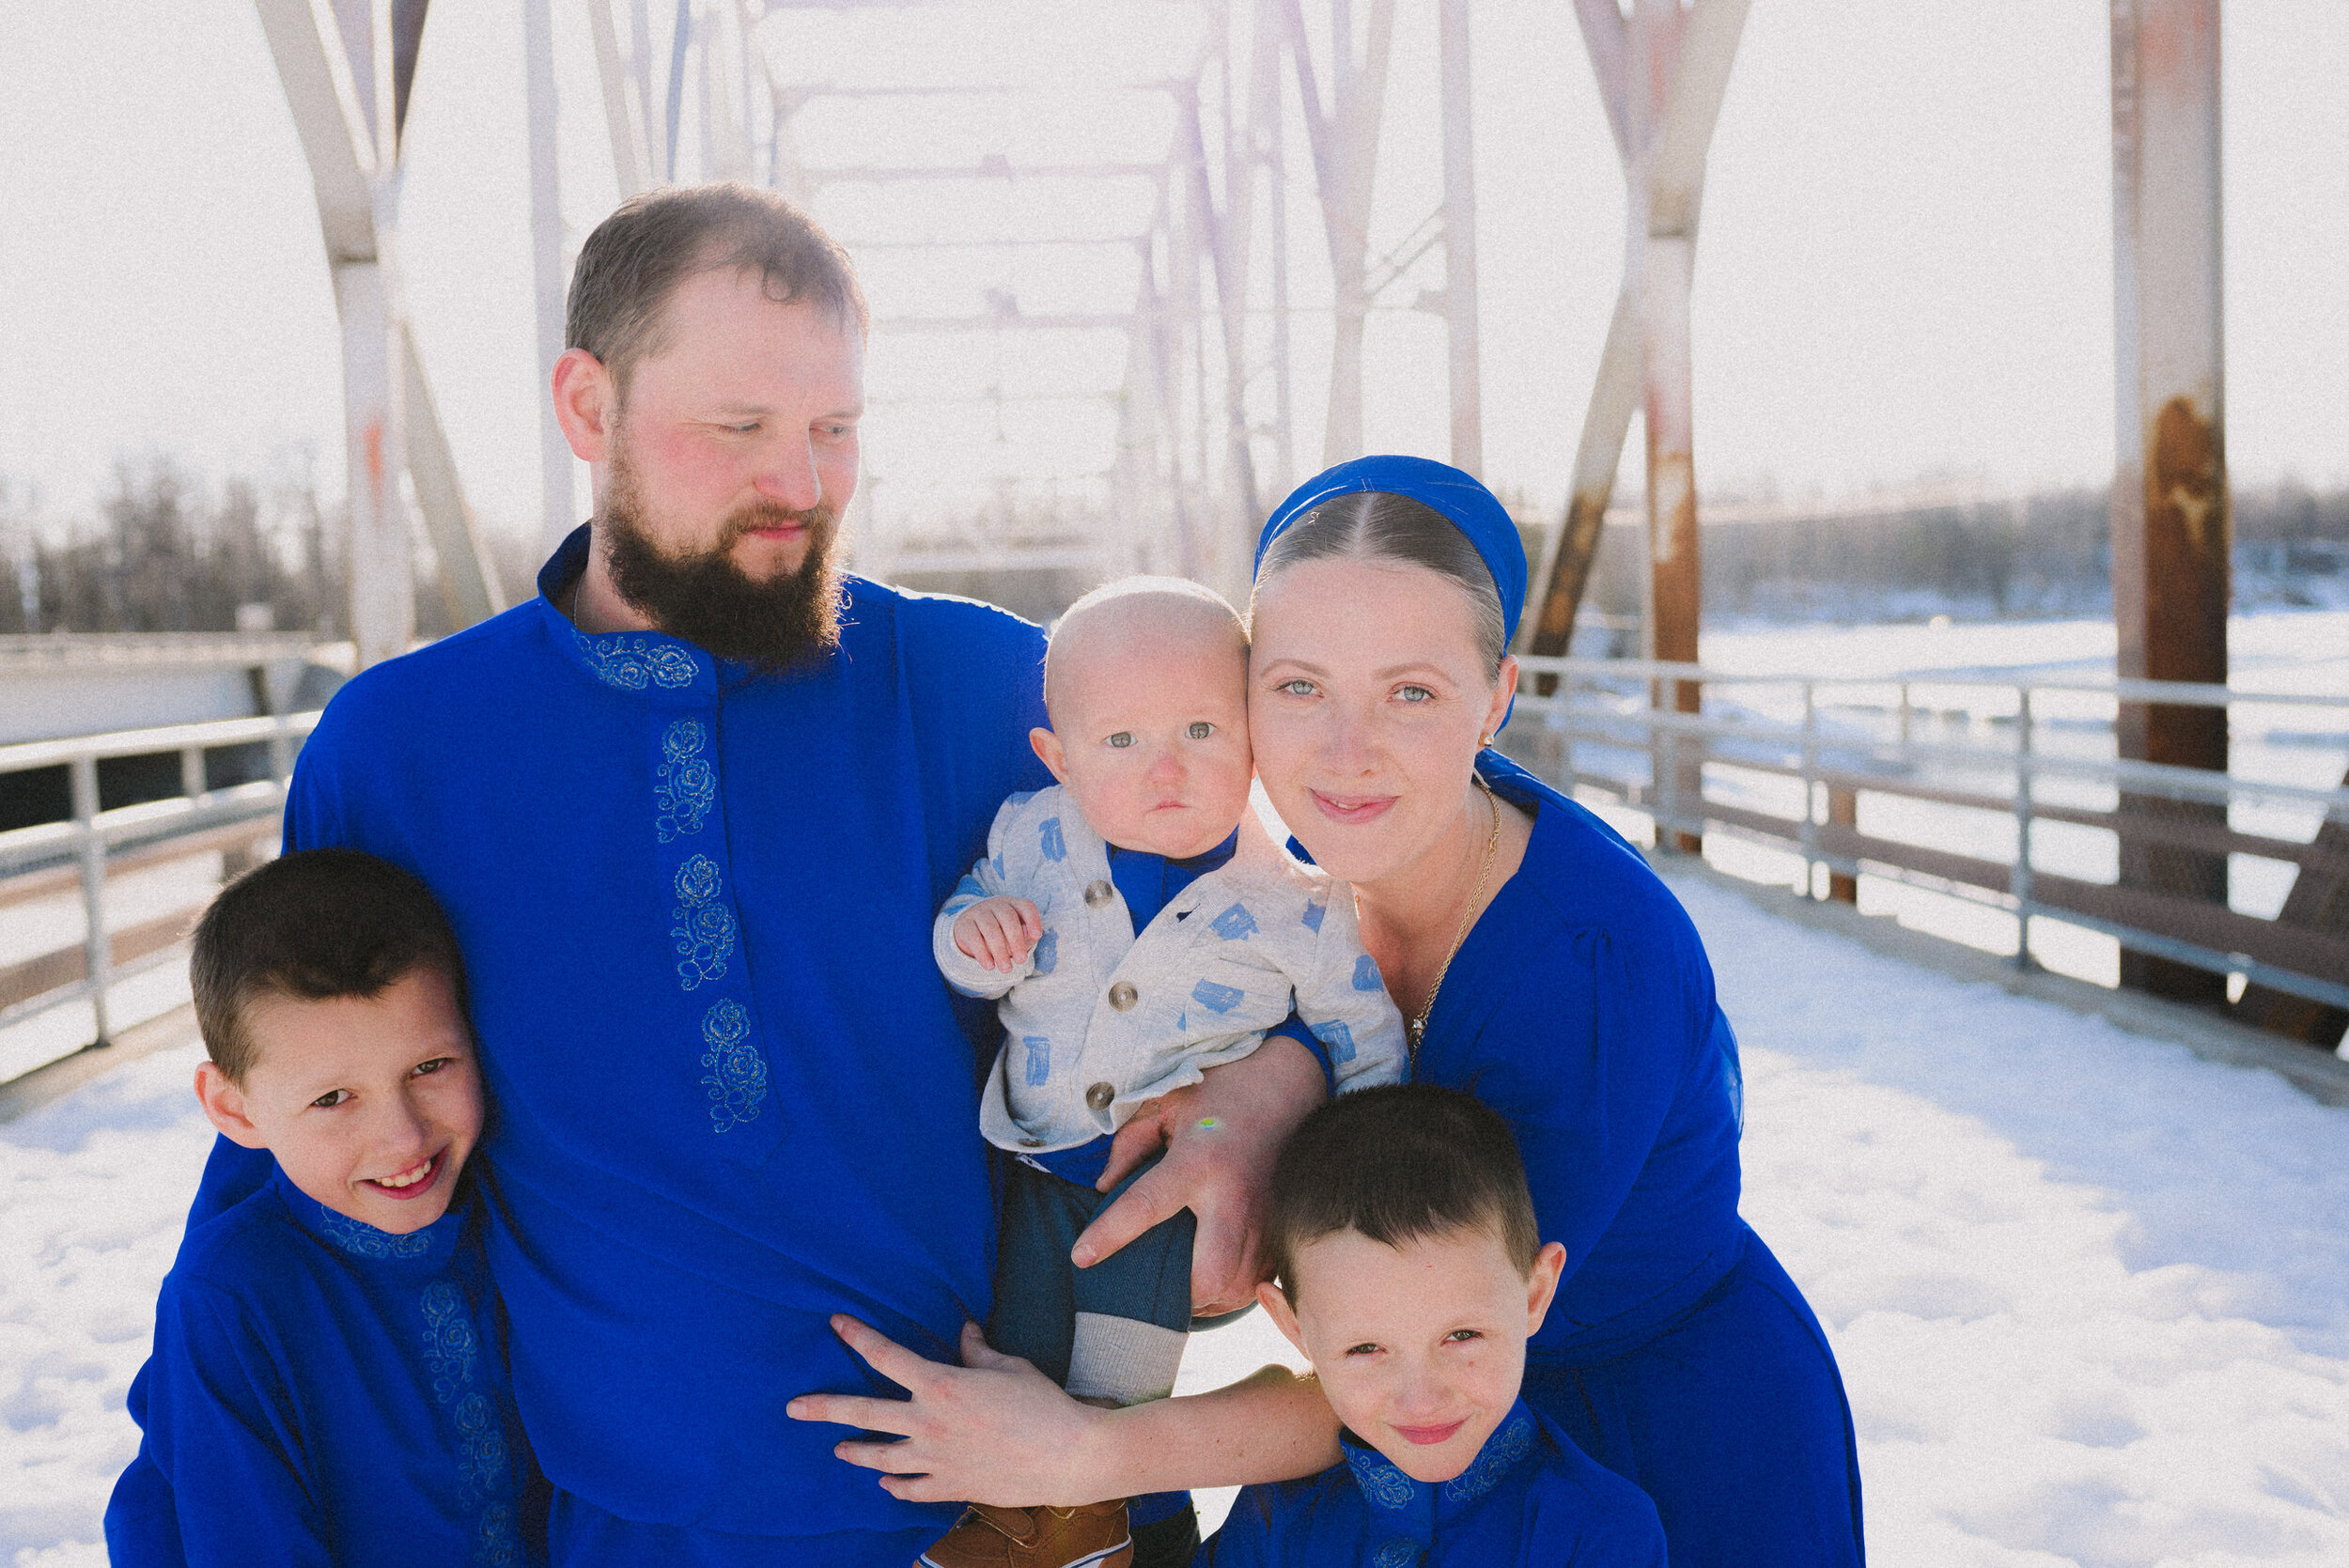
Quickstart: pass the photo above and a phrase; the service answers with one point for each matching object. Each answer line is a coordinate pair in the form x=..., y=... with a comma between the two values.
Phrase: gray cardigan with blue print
x=1098, y=1019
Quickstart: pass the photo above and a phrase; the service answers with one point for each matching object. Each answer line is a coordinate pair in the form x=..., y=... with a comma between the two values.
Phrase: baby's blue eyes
x=1201, y=730
x=1122, y=740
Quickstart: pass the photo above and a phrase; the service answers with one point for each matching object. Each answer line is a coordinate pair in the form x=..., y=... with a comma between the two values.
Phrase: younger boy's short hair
x=1401, y=1162
x=317, y=925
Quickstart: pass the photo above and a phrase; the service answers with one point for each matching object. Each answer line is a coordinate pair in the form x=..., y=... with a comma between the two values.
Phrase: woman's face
x=1366, y=699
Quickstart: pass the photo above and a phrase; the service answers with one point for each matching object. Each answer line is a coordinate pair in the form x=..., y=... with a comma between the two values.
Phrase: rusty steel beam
x=2172, y=530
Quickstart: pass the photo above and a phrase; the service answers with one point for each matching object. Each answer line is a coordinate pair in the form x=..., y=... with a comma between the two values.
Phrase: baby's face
x=1420, y=1348
x=1152, y=739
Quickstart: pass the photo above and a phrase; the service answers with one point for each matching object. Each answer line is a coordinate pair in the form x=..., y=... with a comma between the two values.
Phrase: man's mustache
x=818, y=520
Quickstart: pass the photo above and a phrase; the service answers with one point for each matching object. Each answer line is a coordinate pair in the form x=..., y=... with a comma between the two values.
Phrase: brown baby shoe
x=1093, y=1536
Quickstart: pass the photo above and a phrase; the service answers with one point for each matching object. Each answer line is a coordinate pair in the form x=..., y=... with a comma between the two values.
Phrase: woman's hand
x=994, y=1430
x=1220, y=1137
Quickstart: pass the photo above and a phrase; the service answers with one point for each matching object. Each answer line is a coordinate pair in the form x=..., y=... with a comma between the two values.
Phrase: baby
x=1140, y=926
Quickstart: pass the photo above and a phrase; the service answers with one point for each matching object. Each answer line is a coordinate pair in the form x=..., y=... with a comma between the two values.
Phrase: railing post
x=1810, y=788
x=2019, y=882
x=97, y=946
x=1907, y=713
x=192, y=774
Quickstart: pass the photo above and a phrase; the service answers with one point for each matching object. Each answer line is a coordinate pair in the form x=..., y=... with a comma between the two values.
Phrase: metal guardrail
x=38, y=862
x=1607, y=703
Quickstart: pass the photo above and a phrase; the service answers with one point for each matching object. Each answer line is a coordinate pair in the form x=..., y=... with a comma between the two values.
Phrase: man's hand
x=1221, y=1138
x=998, y=932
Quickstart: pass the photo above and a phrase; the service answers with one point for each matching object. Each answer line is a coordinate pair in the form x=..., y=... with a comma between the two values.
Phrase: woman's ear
x=1504, y=694
x=1276, y=1306
x=225, y=1108
x=1047, y=751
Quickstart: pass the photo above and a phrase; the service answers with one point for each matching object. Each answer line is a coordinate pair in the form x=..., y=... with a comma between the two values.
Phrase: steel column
x=546, y=262
x=1459, y=238
x=2171, y=531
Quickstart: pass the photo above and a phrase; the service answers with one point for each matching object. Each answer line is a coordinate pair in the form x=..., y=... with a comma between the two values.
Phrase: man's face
x=369, y=1104
x=731, y=461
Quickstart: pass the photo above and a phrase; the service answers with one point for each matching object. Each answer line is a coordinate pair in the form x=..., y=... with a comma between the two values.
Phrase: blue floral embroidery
x=1234, y=924
x=689, y=782
x=1339, y=1038
x=1398, y=1551
x=1049, y=836
x=481, y=1455
x=635, y=663
x=1310, y=919
x=448, y=1339
x=1047, y=953
x=1381, y=1483
x=1366, y=974
x=1217, y=999
x=1501, y=1454
x=1040, y=1057
x=363, y=1240
x=704, y=935
x=736, y=1080
x=494, y=1542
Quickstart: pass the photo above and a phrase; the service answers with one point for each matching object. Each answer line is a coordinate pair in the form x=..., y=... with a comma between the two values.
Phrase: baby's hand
x=998, y=932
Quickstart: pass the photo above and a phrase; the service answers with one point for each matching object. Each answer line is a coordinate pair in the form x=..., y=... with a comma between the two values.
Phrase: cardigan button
x=1099, y=893
x=1099, y=1096
x=1122, y=997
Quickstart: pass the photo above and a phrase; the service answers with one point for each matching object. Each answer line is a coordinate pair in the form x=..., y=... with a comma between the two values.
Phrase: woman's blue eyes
x=1415, y=693
x=1297, y=687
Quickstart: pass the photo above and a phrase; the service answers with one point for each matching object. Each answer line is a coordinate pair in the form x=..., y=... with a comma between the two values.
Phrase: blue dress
x=733, y=1096
x=1530, y=1499
x=1677, y=1352
x=326, y=1392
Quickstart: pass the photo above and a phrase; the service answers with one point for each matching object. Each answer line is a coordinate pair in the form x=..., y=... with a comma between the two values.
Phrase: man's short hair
x=1401, y=1162
x=655, y=239
x=317, y=925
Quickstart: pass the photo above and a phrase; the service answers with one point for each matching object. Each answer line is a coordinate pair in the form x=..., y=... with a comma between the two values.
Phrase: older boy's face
x=1420, y=1348
x=1150, y=736
x=370, y=1105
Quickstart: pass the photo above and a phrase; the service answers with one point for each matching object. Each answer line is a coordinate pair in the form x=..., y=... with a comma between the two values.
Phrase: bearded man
x=691, y=811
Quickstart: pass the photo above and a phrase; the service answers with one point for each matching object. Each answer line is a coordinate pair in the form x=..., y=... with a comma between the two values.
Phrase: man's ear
x=1541, y=1285
x=1276, y=1306
x=586, y=404
x=1048, y=751
x=225, y=1108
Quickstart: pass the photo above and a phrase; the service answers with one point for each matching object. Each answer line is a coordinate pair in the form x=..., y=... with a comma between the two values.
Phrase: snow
x=2086, y=1288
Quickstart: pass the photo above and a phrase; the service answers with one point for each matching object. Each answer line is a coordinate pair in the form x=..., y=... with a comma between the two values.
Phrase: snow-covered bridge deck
x=2087, y=1287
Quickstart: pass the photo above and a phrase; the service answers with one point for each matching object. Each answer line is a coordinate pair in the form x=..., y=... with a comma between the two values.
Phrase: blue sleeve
x=1613, y=1529
x=222, y=1433
x=141, y=1518
x=1245, y=1539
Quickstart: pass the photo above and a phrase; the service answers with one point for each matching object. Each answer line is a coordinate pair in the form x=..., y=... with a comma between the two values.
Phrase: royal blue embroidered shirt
x=734, y=1095
x=326, y=1392
x=1529, y=1500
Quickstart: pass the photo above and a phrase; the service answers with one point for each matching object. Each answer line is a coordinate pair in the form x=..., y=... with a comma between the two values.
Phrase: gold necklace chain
x=1417, y=1028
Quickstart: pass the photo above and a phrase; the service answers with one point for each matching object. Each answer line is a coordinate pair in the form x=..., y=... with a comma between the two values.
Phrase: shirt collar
x=649, y=663
x=356, y=1238
x=1413, y=1509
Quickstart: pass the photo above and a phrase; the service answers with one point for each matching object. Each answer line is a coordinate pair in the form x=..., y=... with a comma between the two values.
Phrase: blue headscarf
x=1459, y=497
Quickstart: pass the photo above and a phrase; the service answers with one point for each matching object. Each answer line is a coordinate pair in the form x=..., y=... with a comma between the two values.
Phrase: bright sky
x=1905, y=267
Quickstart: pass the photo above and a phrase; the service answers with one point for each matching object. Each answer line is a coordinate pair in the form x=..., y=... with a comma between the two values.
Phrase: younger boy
x=329, y=1381
x=1411, y=1275
x=1140, y=926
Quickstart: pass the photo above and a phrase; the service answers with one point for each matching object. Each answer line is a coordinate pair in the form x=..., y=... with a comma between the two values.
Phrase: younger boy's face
x=1150, y=736
x=370, y=1105
x=1420, y=1348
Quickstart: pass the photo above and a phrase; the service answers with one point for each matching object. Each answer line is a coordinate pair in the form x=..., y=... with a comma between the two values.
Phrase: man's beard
x=708, y=600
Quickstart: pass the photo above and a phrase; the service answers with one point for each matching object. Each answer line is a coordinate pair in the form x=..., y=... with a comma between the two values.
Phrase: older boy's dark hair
x=653, y=241
x=1401, y=1162
x=316, y=924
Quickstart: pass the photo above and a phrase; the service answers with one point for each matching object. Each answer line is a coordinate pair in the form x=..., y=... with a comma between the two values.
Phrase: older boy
x=1140, y=928
x=329, y=1380
x=1411, y=1275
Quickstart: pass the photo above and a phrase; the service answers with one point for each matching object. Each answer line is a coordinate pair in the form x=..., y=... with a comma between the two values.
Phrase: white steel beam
x=469, y=579
x=1459, y=238
x=628, y=143
x=556, y=480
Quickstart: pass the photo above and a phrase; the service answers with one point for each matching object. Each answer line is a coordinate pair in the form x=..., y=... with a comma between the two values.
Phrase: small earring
x=1484, y=741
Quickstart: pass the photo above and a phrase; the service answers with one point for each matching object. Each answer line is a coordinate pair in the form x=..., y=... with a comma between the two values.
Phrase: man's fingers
x=883, y=1355
x=886, y=1457
x=858, y=1410
x=1146, y=1203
